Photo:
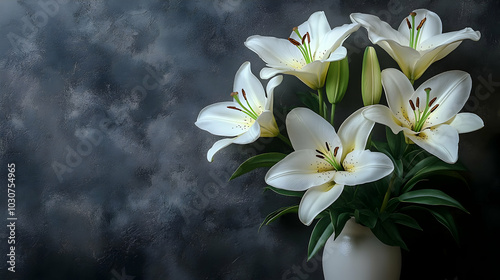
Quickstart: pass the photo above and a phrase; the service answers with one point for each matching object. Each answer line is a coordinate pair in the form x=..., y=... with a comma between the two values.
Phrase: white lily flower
x=324, y=161
x=428, y=116
x=307, y=53
x=246, y=118
x=417, y=43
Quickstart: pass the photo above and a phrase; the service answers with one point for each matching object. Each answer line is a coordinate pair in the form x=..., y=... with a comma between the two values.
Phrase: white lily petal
x=308, y=130
x=266, y=72
x=271, y=85
x=452, y=89
x=339, y=54
x=334, y=38
x=222, y=121
x=354, y=132
x=363, y=166
x=383, y=115
x=248, y=137
x=448, y=38
x=466, y=122
x=317, y=25
x=268, y=126
x=317, y=199
x=378, y=30
x=430, y=28
x=429, y=57
x=246, y=80
x=405, y=56
x=298, y=171
x=441, y=141
x=314, y=73
x=398, y=90
x=274, y=51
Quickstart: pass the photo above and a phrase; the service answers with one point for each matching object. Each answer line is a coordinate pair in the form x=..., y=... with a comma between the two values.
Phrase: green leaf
x=396, y=142
x=443, y=216
x=309, y=99
x=320, y=234
x=428, y=167
x=405, y=220
x=339, y=220
x=285, y=192
x=387, y=232
x=430, y=197
x=278, y=213
x=262, y=160
x=365, y=217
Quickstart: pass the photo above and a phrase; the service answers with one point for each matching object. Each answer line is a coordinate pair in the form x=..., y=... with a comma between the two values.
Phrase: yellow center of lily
x=330, y=157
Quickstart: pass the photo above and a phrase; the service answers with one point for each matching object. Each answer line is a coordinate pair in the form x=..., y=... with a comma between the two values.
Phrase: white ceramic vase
x=357, y=254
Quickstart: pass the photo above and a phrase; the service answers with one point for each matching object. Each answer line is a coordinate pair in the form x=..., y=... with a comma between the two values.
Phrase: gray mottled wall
x=97, y=109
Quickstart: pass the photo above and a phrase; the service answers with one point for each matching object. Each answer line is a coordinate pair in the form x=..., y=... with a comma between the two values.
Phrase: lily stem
x=322, y=109
x=284, y=139
x=388, y=193
x=332, y=113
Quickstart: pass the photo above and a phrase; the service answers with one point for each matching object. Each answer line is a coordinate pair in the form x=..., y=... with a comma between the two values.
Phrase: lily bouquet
x=342, y=174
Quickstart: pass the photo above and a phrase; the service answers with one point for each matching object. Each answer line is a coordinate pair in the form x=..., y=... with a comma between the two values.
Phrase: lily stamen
x=304, y=47
x=244, y=109
x=414, y=38
x=421, y=117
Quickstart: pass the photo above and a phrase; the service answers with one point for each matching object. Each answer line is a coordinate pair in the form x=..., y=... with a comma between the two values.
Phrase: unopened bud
x=371, y=80
x=337, y=80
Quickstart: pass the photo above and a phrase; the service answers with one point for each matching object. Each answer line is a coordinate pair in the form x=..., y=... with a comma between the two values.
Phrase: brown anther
x=413, y=14
x=432, y=101
x=320, y=152
x=335, y=151
x=412, y=105
x=293, y=41
x=234, y=108
x=418, y=102
x=408, y=22
x=421, y=23
x=434, y=108
x=244, y=94
x=234, y=93
x=320, y=156
x=308, y=37
x=327, y=146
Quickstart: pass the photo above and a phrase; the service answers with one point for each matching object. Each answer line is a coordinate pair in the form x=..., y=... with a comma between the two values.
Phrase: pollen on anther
x=293, y=41
x=412, y=105
x=327, y=146
x=432, y=101
x=244, y=94
x=434, y=108
x=408, y=22
x=335, y=151
x=421, y=23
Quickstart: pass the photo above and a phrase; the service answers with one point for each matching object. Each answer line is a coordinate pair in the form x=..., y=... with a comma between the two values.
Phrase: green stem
x=388, y=193
x=284, y=139
x=332, y=113
x=322, y=109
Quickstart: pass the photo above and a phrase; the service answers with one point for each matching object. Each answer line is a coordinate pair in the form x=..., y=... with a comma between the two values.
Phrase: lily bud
x=337, y=80
x=371, y=81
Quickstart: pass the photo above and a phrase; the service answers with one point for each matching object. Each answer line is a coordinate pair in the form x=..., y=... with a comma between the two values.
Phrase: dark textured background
x=106, y=93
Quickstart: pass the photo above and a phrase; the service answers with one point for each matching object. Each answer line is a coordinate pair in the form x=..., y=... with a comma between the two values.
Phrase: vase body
x=357, y=254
